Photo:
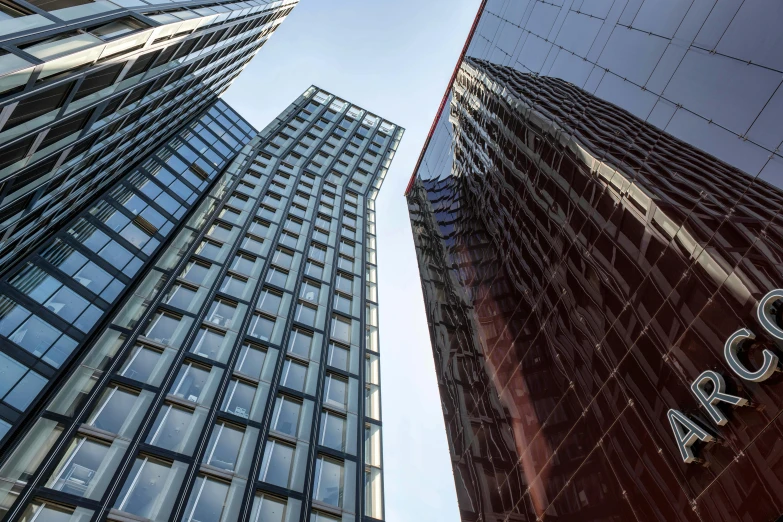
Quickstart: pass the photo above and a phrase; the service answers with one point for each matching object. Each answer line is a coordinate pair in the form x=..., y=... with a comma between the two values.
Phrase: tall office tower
x=89, y=88
x=597, y=218
x=239, y=379
x=52, y=301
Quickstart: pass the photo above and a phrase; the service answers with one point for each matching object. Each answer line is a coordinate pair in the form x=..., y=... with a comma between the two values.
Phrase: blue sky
x=393, y=58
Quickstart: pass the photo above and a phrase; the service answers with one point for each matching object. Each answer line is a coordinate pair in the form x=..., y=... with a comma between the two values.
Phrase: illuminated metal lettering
x=686, y=433
x=709, y=399
x=730, y=350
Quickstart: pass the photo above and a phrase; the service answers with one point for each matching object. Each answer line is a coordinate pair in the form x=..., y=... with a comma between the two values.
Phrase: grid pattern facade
x=240, y=380
x=52, y=301
x=593, y=220
x=89, y=88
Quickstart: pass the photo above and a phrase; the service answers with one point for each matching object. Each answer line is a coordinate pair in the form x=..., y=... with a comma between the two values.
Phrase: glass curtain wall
x=248, y=353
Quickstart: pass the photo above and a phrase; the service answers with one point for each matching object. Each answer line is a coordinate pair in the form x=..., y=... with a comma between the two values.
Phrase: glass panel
x=151, y=489
x=141, y=364
x=328, y=481
x=207, y=500
x=39, y=511
x=251, y=361
x=239, y=399
x=338, y=356
x=268, y=509
x=276, y=467
x=341, y=329
x=294, y=374
x=78, y=467
x=113, y=409
x=286, y=415
x=300, y=343
x=190, y=382
x=224, y=446
x=336, y=391
x=332, y=431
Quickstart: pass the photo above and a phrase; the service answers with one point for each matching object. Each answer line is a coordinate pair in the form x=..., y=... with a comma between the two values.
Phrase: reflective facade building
x=237, y=379
x=596, y=215
x=88, y=88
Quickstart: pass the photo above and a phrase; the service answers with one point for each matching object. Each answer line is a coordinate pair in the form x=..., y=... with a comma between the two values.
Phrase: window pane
x=141, y=364
x=336, y=392
x=332, y=431
x=251, y=361
x=207, y=500
x=341, y=329
x=170, y=427
x=113, y=409
x=268, y=509
x=239, y=399
x=276, y=467
x=190, y=382
x=338, y=357
x=79, y=466
x=224, y=446
x=300, y=343
x=294, y=374
x=328, y=481
x=270, y=301
x=286, y=415
x=262, y=327
x=149, y=490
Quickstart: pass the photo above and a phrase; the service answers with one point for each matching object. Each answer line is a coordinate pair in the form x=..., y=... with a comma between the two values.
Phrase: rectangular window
x=251, y=361
x=285, y=418
x=342, y=303
x=332, y=431
x=310, y=291
x=341, y=329
x=210, y=344
x=336, y=391
x=76, y=472
x=151, y=488
x=180, y=296
x=328, y=486
x=269, y=301
x=338, y=357
x=207, y=501
x=222, y=313
x=317, y=253
x=277, y=463
x=261, y=327
x=305, y=313
x=224, y=446
x=344, y=283
x=283, y=259
x=163, y=328
x=294, y=375
x=277, y=277
x=196, y=272
x=143, y=365
x=239, y=398
x=191, y=382
x=300, y=343
x=175, y=429
x=314, y=270
x=267, y=508
x=118, y=411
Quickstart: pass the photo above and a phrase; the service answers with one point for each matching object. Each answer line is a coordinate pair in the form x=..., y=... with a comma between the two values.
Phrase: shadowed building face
x=581, y=267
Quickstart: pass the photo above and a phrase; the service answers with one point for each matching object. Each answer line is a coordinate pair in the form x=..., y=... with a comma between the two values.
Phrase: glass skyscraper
x=88, y=88
x=238, y=377
x=597, y=219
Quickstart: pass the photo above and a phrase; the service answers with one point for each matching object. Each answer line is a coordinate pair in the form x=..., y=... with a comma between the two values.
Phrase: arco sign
x=686, y=431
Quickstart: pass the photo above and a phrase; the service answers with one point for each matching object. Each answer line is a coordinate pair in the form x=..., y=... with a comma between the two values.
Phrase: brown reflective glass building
x=596, y=215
